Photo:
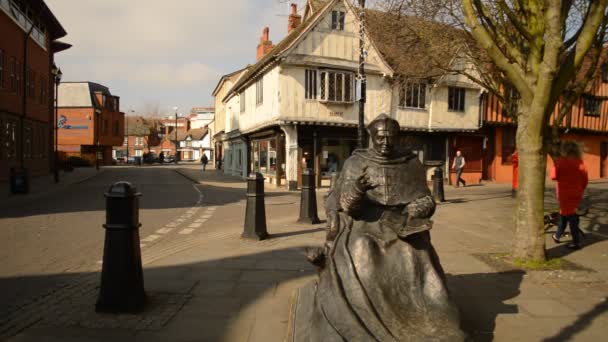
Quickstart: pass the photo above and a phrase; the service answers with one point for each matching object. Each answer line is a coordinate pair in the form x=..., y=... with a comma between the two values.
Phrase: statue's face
x=383, y=142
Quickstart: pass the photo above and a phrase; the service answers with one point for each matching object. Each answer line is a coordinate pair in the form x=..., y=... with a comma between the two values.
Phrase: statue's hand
x=421, y=208
x=363, y=182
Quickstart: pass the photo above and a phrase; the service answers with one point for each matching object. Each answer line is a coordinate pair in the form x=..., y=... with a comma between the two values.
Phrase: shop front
x=324, y=149
x=268, y=155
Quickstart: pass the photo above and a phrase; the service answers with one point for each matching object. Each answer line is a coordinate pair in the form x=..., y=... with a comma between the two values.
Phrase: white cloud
x=179, y=44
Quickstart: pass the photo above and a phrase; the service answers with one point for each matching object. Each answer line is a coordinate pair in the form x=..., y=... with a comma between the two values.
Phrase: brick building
x=141, y=136
x=489, y=151
x=89, y=121
x=26, y=85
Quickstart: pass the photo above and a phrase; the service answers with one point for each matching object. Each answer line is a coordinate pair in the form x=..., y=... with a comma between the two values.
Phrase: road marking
x=172, y=225
x=201, y=220
x=206, y=216
x=186, y=231
x=151, y=238
x=164, y=230
x=195, y=225
x=211, y=208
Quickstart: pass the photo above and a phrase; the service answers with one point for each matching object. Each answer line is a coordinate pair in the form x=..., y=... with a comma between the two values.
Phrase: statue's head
x=383, y=131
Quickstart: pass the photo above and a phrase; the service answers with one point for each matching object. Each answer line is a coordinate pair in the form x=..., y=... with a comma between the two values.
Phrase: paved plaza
x=205, y=283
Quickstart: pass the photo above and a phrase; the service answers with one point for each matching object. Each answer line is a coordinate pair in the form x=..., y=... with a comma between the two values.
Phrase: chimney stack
x=294, y=19
x=265, y=44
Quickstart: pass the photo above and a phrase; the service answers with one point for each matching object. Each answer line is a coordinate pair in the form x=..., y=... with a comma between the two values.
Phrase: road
x=62, y=234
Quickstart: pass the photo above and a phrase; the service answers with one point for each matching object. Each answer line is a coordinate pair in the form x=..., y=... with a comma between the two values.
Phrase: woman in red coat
x=571, y=176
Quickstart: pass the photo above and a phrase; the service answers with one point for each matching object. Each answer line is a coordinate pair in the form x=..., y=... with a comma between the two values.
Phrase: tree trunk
x=529, y=242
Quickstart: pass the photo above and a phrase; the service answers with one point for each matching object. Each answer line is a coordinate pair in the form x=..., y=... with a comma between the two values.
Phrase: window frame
x=511, y=99
x=346, y=86
x=242, y=102
x=338, y=19
x=596, y=111
x=13, y=74
x=259, y=91
x=2, y=68
x=420, y=88
x=460, y=105
x=310, y=84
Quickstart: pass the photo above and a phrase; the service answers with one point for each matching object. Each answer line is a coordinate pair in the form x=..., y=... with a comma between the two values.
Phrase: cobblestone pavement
x=210, y=285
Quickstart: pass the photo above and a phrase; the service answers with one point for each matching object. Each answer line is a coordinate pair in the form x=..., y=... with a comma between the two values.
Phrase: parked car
x=169, y=159
x=150, y=158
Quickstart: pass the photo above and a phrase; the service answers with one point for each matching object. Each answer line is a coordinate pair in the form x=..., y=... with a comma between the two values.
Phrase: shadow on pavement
x=297, y=232
x=230, y=298
x=161, y=188
x=481, y=297
x=594, y=222
x=567, y=333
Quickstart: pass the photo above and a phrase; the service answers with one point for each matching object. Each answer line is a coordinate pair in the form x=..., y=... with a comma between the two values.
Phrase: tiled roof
x=196, y=134
x=413, y=46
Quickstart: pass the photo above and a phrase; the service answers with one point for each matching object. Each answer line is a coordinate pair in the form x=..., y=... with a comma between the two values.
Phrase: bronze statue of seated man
x=380, y=278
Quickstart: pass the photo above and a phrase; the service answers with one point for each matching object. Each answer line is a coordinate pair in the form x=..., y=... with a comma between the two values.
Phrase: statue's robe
x=382, y=280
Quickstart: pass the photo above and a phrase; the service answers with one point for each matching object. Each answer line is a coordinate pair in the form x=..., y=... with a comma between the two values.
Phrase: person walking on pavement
x=161, y=157
x=204, y=161
x=571, y=176
x=459, y=164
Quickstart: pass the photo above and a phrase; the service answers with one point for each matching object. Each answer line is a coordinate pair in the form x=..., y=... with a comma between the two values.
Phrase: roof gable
x=319, y=40
x=276, y=52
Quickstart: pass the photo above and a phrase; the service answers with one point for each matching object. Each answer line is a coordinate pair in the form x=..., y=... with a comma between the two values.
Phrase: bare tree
x=151, y=109
x=529, y=54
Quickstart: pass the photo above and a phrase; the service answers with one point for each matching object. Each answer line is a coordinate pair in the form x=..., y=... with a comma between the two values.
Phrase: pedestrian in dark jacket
x=204, y=161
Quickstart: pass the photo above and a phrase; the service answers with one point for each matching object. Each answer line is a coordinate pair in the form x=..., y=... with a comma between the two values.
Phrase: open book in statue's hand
x=415, y=225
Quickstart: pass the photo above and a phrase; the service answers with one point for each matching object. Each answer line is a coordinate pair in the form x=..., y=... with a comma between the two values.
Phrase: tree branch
x=515, y=73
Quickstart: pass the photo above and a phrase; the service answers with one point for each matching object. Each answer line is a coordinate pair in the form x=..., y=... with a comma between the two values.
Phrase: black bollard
x=122, y=283
x=19, y=181
x=308, y=200
x=438, y=185
x=255, y=214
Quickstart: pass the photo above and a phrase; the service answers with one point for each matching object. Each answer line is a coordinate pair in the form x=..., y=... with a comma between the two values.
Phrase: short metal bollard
x=19, y=181
x=438, y=185
x=122, y=283
x=308, y=199
x=255, y=213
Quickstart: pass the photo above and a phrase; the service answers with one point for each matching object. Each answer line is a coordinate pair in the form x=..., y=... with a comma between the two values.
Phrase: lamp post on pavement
x=98, y=115
x=176, y=142
x=127, y=134
x=57, y=78
x=361, y=132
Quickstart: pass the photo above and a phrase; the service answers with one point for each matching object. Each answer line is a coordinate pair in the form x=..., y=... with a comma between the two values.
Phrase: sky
x=162, y=54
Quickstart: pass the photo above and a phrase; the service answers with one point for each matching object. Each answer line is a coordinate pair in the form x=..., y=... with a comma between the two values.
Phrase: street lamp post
x=176, y=142
x=361, y=133
x=97, y=114
x=57, y=76
x=127, y=134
